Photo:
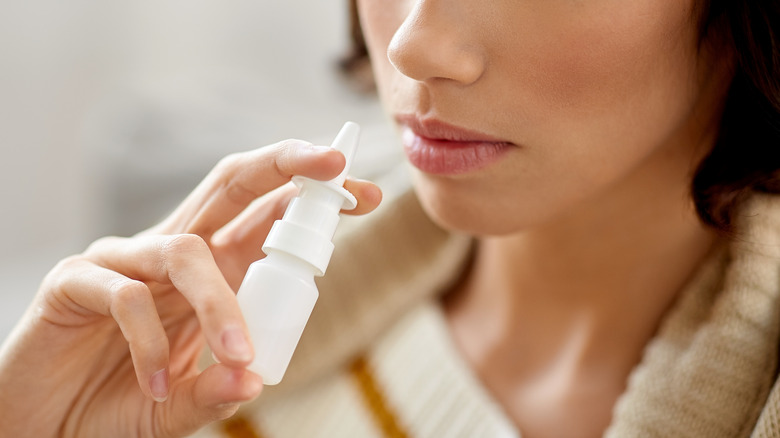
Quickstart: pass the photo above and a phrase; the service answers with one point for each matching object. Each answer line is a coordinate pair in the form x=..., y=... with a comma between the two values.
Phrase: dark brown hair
x=746, y=155
x=356, y=64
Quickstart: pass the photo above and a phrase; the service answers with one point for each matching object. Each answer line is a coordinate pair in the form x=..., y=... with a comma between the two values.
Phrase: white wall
x=110, y=111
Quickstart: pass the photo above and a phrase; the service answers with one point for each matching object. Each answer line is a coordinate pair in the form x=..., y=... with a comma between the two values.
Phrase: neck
x=588, y=290
x=605, y=290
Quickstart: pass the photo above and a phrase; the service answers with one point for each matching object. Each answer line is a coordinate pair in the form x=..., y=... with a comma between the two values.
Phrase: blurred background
x=112, y=111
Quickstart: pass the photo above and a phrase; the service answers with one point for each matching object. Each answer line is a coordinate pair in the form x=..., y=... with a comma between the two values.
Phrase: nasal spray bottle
x=278, y=292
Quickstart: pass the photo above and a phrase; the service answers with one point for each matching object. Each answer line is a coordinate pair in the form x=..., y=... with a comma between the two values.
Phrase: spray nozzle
x=346, y=142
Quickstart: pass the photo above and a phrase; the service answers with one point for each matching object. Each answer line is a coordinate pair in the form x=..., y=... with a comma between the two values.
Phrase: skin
x=586, y=229
x=110, y=344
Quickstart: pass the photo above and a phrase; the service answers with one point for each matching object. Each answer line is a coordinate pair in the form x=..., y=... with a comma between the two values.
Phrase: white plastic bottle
x=278, y=292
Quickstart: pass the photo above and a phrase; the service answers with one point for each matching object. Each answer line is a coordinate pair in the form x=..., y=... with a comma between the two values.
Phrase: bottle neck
x=322, y=194
x=291, y=263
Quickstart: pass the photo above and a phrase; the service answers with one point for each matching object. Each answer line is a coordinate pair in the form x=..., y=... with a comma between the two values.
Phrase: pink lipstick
x=439, y=148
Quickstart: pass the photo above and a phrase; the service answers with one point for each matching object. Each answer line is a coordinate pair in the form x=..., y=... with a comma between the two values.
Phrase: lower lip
x=444, y=157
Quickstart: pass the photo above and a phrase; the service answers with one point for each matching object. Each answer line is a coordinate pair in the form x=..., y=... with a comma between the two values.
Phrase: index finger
x=240, y=178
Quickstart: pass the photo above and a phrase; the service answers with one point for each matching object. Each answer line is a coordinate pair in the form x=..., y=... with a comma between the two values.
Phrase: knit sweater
x=377, y=360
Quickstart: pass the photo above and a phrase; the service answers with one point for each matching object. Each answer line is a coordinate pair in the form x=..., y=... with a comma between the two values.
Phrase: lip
x=440, y=148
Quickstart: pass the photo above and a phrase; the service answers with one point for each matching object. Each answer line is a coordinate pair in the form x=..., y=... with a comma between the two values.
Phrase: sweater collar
x=713, y=362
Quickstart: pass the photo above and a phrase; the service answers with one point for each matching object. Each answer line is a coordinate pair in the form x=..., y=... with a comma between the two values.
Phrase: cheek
x=600, y=62
x=379, y=20
x=604, y=90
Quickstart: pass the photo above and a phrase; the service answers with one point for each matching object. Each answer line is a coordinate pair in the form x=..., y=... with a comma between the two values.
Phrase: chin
x=469, y=212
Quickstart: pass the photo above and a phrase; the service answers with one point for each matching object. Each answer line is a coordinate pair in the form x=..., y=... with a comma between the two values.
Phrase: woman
x=609, y=263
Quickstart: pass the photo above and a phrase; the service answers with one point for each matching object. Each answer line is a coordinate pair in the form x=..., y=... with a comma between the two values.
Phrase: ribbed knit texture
x=433, y=391
x=709, y=372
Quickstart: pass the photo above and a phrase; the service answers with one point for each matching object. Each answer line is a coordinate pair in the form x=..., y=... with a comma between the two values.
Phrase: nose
x=434, y=44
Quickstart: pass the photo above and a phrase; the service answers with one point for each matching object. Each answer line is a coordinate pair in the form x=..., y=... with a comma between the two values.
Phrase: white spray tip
x=346, y=141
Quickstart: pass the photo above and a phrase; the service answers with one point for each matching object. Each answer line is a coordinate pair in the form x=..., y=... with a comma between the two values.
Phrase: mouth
x=440, y=148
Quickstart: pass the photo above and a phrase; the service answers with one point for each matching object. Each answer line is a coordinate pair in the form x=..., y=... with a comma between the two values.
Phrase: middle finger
x=186, y=263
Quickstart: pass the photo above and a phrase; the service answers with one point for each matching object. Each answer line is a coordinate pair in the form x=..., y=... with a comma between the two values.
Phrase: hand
x=110, y=345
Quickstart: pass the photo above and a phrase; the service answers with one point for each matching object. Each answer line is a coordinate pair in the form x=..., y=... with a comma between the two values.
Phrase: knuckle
x=290, y=144
x=162, y=429
x=69, y=263
x=61, y=276
x=154, y=345
x=227, y=170
x=184, y=244
x=179, y=250
x=240, y=194
x=284, y=154
x=230, y=163
x=128, y=294
x=149, y=347
x=101, y=245
x=209, y=305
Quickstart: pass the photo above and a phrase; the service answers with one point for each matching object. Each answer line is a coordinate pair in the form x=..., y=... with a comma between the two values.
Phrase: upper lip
x=438, y=130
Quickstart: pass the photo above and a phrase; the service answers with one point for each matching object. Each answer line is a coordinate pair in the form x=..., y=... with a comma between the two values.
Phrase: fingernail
x=236, y=345
x=158, y=384
x=227, y=406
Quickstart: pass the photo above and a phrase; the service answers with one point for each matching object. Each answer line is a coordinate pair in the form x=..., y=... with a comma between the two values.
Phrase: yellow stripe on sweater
x=375, y=400
x=240, y=427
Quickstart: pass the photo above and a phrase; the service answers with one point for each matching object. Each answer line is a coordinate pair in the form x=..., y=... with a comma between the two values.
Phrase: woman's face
x=515, y=112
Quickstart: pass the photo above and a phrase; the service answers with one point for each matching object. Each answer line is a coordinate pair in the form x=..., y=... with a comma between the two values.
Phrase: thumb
x=213, y=395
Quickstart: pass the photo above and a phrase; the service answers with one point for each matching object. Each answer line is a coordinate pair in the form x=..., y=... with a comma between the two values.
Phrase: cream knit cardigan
x=711, y=370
